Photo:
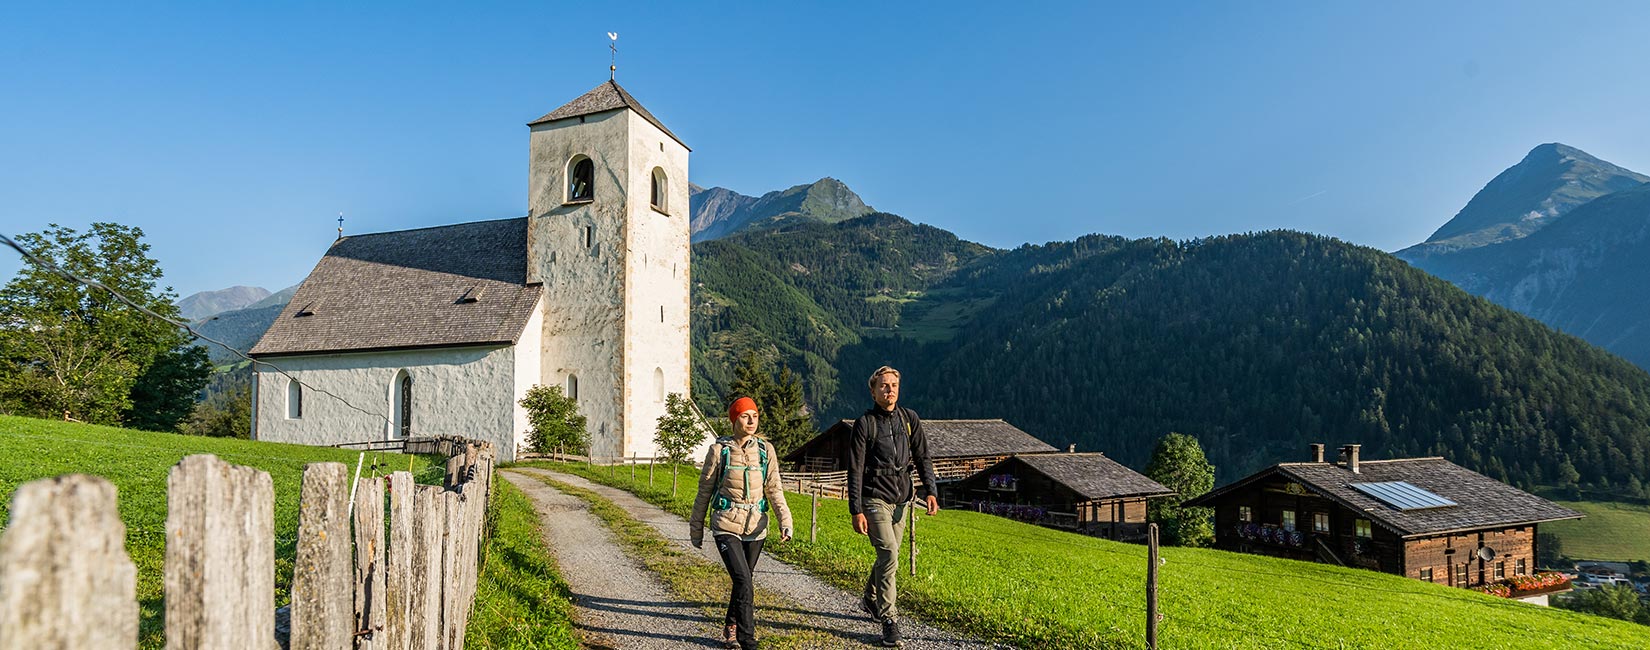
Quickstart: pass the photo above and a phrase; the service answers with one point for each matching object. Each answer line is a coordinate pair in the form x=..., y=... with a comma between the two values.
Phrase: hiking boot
x=730, y=637
x=890, y=634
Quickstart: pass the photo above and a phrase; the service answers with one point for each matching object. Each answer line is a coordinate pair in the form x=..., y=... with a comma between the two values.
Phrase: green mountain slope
x=1256, y=344
x=1584, y=274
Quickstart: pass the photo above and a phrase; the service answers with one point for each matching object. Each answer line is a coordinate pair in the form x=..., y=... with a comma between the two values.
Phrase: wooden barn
x=1088, y=493
x=958, y=448
x=1425, y=518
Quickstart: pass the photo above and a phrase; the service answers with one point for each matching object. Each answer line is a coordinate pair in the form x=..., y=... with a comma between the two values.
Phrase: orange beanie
x=740, y=406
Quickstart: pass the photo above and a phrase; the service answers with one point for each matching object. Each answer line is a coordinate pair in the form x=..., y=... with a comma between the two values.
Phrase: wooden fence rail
x=66, y=581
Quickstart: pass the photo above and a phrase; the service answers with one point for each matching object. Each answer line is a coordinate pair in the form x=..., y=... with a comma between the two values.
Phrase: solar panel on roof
x=1402, y=495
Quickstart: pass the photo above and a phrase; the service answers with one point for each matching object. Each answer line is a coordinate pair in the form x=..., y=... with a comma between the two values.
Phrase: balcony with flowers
x=1546, y=582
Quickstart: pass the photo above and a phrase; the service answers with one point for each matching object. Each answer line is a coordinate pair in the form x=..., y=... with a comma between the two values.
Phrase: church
x=441, y=331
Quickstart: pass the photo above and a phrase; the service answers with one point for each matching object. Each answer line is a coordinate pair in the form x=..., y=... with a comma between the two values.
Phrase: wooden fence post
x=399, y=555
x=650, y=463
x=220, y=556
x=65, y=579
x=813, y=514
x=1151, y=586
x=452, y=519
x=911, y=532
x=424, y=611
x=633, y=469
x=370, y=606
x=321, y=582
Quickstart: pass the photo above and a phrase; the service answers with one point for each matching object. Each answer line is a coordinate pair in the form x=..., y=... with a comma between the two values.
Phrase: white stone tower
x=608, y=238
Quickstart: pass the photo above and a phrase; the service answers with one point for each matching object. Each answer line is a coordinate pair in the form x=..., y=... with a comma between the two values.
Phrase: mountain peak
x=719, y=212
x=1551, y=180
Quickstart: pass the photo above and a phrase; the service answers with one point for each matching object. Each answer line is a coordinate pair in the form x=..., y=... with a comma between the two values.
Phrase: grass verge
x=521, y=599
x=137, y=462
x=693, y=578
x=1040, y=588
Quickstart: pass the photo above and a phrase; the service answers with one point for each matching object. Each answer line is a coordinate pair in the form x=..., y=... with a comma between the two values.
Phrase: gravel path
x=618, y=602
x=828, y=609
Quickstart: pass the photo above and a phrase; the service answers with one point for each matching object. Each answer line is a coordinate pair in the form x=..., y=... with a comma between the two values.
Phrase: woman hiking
x=739, y=486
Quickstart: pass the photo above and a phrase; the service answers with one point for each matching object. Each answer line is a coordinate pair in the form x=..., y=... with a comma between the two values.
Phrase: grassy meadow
x=521, y=599
x=1611, y=531
x=137, y=462
x=1035, y=587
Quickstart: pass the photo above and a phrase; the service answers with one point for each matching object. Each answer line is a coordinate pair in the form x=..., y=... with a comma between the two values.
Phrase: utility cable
x=53, y=268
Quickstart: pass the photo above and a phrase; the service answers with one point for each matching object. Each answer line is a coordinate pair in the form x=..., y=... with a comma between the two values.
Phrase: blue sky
x=234, y=135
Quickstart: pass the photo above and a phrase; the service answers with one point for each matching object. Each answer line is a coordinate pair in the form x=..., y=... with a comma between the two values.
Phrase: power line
x=53, y=268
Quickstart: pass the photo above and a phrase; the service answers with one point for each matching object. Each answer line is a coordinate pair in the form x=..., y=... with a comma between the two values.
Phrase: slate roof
x=403, y=289
x=606, y=97
x=1093, y=475
x=965, y=438
x=946, y=439
x=1483, y=502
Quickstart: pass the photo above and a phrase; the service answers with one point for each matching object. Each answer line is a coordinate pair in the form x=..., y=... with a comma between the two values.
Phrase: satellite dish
x=1486, y=554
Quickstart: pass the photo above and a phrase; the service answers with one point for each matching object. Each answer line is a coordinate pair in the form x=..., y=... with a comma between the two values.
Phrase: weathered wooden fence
x=66, y=581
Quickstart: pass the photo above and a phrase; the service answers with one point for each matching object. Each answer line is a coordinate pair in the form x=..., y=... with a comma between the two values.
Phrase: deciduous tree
x=1178, y=463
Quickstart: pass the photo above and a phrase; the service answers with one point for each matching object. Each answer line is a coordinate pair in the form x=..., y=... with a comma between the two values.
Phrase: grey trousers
x=887, y=526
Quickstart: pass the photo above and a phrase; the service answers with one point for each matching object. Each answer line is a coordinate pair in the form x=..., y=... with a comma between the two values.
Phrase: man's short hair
x=885, y=370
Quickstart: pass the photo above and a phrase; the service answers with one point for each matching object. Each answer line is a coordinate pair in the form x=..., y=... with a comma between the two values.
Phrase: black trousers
x=740, y=558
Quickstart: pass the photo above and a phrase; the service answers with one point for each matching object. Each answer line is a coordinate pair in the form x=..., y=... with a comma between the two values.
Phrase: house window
x=659, y=384
x=589, y=236
x=1521, y=568
x=572, y=386
x=1320, y=522
x=658, y=193
x=294, y=399
x=1500, y=570
x=1426, y=574
x=1245, y=513
x=1362, y=526
x=581, y=179
x=1461, y=575
x=1289, y=520
x=401, y=398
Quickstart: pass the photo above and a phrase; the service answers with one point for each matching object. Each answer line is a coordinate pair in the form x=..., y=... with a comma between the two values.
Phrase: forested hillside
x=1257, y=344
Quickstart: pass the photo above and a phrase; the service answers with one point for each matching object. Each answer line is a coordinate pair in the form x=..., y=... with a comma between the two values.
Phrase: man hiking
x=887, y=441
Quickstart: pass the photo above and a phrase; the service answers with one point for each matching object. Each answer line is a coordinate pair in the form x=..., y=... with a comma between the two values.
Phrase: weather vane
x=340, y=225
x=613, y=53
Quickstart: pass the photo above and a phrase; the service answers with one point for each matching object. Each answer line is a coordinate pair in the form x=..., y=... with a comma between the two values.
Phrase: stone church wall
x=456, y=391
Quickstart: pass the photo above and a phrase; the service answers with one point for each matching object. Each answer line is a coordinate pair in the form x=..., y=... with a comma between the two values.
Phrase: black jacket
x=881, y=452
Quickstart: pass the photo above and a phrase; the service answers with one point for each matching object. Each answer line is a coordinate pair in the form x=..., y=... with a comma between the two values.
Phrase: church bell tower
x=608, y=239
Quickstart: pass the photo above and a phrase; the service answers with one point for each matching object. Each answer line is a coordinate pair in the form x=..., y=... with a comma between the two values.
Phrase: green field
x=1611, y=531
x=1036, y=587
x=137, y=463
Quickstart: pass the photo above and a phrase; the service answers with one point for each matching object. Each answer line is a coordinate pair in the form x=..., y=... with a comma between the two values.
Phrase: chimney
x=1317, y=452
x=1072, y=448
x=1349, y=454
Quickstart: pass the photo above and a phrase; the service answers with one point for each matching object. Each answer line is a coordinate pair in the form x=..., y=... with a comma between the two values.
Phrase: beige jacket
x=744, y=489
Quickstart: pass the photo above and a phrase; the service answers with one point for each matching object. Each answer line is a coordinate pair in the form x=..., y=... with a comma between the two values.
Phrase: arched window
x=659, y=384
x=659, y=187
x=401, y=400
x=581, y=179
x=572, y=386
x=294, y=399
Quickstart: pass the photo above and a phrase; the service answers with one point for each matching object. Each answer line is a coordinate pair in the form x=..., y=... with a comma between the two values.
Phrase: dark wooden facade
x=1311, y=511
x=1087, y=493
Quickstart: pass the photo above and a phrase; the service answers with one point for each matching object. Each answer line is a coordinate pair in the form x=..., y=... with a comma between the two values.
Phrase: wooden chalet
x=959, y=448
x=1425, y=518
x=1087, y=492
